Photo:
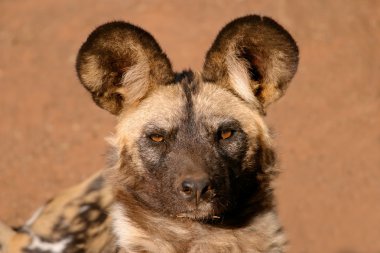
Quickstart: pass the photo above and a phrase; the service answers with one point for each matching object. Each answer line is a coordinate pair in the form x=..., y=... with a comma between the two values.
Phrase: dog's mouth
x=207, y=210
x=197, y=216
x=200, y=213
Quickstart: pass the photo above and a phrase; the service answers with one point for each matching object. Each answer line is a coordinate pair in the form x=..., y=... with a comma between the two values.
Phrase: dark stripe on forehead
x=189, y=85
x=188, y=80
x=186, y=74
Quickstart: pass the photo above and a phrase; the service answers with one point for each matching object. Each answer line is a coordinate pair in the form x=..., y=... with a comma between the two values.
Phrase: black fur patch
x=95, y=185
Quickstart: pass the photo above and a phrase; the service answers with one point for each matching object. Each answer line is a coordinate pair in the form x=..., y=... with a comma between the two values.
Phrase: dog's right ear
x=120, y=63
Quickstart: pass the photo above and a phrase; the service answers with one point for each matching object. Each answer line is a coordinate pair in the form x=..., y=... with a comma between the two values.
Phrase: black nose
x=197, y=189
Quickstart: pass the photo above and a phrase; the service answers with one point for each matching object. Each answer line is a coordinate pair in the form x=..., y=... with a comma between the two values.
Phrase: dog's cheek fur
x=129, y=184
x=249, y=160
x=140, y=174
x=258, y=172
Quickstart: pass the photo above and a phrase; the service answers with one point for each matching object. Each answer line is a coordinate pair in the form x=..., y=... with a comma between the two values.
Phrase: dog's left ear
x=254, y=57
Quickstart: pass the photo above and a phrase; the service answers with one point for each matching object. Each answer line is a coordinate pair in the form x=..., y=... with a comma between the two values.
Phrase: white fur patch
x=129, y=236
x=240, y=79
x=135, y=80
x=124, y=230
x=34, y=217
x=53, y=247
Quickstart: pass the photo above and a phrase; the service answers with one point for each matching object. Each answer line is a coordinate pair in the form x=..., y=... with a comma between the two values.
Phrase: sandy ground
x=327, y=126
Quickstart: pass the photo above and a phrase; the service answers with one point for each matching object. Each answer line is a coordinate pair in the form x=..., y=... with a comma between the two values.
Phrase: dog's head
x=187, y=144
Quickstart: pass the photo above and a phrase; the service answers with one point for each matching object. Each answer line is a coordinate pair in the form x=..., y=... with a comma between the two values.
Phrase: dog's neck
x=140, y=230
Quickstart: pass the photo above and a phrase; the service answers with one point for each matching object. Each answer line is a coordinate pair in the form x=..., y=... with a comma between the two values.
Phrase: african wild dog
x=192, y=160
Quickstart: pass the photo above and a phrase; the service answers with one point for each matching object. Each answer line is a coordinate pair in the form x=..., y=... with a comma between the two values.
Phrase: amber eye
x=156, y=138
x=225, y=134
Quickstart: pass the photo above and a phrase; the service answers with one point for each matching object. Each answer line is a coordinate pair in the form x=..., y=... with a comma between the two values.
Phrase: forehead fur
x=215, y=104
x=168, y=106
x=162, y=108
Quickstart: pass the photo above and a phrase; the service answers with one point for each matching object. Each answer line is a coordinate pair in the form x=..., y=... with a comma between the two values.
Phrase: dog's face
x=190, y=145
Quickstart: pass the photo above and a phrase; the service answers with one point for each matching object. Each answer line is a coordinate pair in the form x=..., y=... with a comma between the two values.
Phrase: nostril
x=187, y=188
x=203, y=186
x=206, y=188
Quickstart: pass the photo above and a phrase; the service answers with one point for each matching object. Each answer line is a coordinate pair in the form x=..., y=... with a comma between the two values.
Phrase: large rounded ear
x=120, y=63
x=254, y=57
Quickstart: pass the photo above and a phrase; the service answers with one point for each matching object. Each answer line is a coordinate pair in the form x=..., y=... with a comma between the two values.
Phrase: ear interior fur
x=119, y=63
x=254, y=57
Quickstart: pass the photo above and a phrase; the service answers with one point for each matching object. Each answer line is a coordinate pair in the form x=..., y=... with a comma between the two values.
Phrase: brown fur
x=264, y=50
x=193, y=190
x=119, y=55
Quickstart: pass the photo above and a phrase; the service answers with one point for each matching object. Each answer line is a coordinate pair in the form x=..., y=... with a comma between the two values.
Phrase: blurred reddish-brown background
x=327, y=126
